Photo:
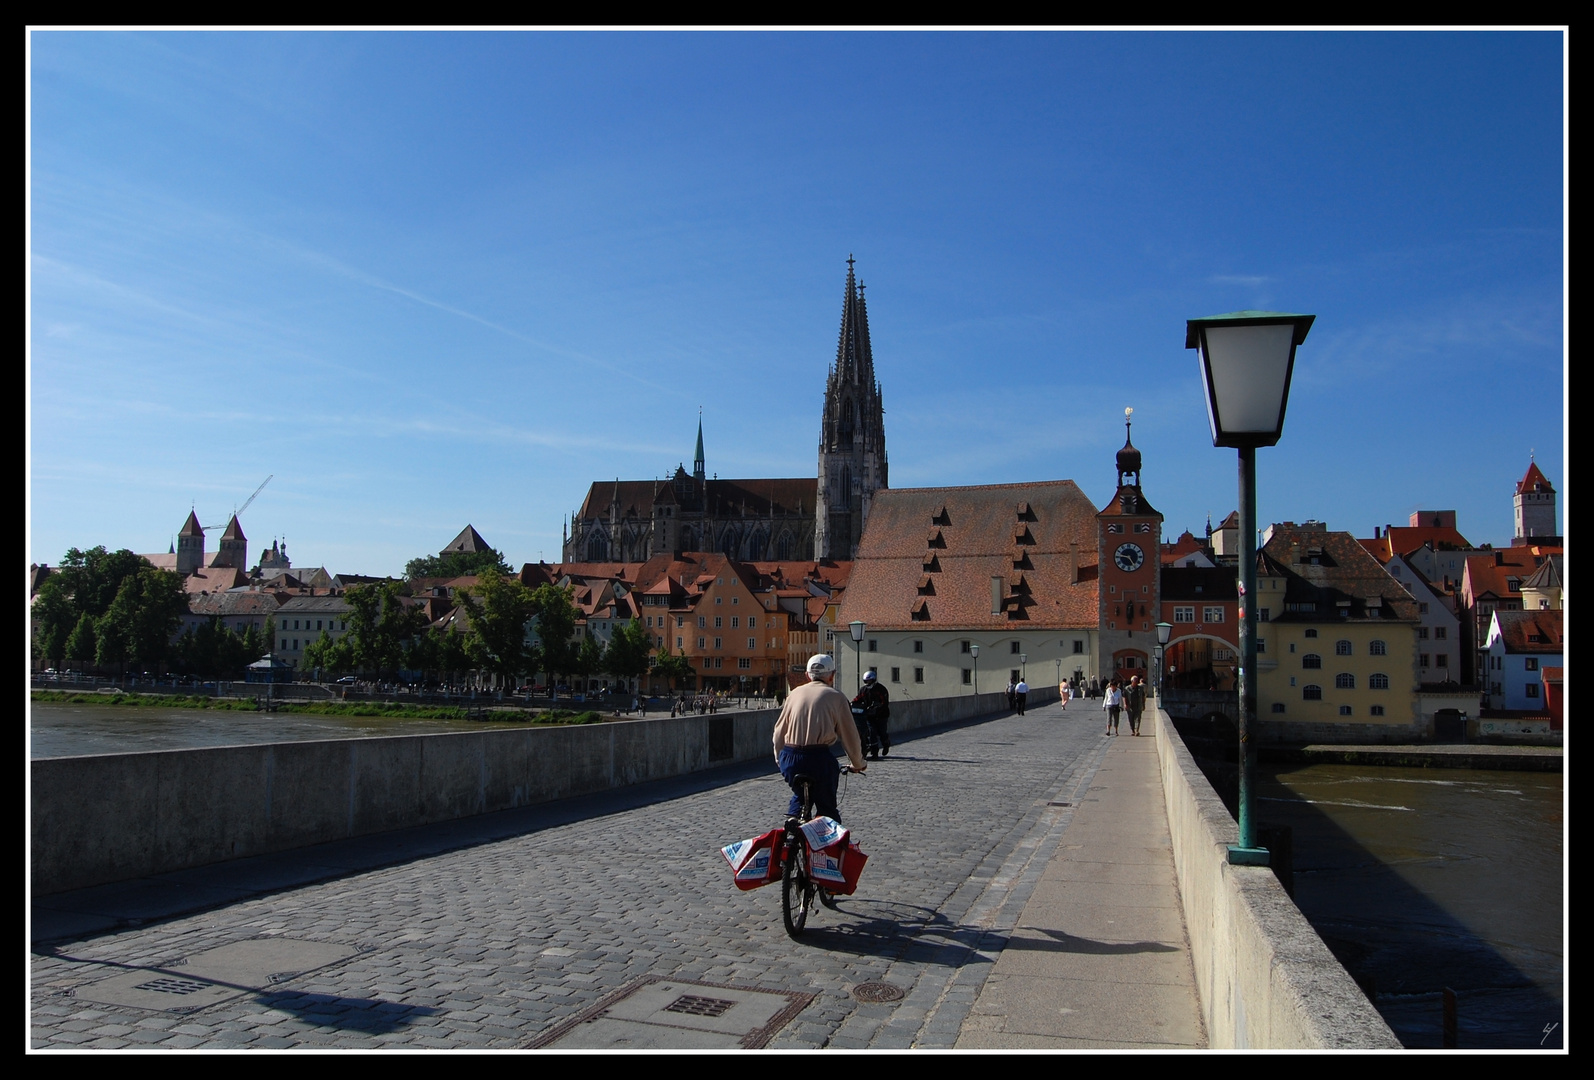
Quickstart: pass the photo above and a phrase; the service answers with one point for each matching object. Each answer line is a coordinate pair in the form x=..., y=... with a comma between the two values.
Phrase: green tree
x=379, y=625
x=627, y=655
x=499, y=609
x=88, y=583
x=139, y=624
x=329, y=654
x=588, y=659
x=677, y=668
x=457, y=564
x=556, y=625
x=82, y=644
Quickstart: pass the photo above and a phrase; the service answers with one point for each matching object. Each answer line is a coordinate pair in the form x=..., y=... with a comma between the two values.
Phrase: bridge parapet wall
x=114, y=817
x=1265, y=978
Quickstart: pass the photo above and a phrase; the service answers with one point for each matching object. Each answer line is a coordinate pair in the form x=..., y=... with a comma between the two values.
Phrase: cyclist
x=875, y=701
x=814, y=717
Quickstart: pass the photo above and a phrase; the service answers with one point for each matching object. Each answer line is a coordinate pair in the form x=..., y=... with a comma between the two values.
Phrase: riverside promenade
x=1020, y=892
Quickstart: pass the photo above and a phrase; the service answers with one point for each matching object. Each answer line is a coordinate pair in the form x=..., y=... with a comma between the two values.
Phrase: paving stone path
x=492, y=932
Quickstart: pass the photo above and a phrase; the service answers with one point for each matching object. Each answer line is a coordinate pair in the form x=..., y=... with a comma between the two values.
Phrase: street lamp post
x=1247, y=359
x=1164, y=631
x=1023, y=667
x=857, y=629
x=974, y=650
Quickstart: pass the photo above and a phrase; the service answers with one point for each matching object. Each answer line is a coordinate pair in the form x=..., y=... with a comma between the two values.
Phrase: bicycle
x=798, y=890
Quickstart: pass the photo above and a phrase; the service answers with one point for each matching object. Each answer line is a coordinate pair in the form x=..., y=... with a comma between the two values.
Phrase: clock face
x=1128, y=557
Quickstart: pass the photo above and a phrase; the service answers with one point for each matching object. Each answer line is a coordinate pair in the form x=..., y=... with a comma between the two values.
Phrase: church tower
x=190, y=546
x=1129, y=574
x=852, y=435
x=1534, y=506
x=234, y=547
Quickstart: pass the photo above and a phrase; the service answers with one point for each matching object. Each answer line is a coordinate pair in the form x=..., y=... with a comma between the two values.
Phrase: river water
x=1422, y=879
x=69, y=730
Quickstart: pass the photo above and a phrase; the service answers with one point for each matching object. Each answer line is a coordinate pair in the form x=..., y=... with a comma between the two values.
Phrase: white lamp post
x=1247, y=360
x=974, y=650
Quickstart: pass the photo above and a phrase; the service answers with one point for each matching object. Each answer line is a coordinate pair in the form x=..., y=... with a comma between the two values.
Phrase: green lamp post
x=1247, y=360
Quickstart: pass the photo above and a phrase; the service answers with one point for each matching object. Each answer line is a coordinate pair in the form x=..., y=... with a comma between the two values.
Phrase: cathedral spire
x=697, y=460
x=854, y=362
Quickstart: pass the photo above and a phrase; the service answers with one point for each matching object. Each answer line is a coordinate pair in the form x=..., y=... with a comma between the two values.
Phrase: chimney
x=1073, y=551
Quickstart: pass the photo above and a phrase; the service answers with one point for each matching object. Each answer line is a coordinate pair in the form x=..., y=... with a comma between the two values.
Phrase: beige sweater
x=817, y=715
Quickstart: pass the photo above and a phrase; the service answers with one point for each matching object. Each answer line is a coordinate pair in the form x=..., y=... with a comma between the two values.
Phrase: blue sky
x=425, y=279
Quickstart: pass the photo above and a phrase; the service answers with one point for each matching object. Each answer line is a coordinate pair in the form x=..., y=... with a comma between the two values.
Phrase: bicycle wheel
x=796, y=889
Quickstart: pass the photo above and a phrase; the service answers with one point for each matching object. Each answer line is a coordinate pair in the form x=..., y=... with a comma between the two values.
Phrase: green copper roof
x=1303, y=323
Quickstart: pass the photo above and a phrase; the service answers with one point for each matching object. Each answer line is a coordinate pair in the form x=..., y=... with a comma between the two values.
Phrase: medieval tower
x=852, y=435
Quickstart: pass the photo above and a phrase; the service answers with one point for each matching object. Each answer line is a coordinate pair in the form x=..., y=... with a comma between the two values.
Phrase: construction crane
x=245, y=506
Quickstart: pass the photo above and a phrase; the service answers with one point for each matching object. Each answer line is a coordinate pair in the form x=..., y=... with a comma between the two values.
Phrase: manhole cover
x=215, y=975
x=877, y=991
x=677, y=1014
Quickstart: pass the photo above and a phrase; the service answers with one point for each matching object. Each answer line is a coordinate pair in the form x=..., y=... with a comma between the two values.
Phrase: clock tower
x=1129, y=578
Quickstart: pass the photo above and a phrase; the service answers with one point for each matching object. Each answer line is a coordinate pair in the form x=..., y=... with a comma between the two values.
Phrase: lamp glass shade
x=857, y=629
x=974, y=650
x=1247, y=373
x=1247, y=358
x=1164, y=631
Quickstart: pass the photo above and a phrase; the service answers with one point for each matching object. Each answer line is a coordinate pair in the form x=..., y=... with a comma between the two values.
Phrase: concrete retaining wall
x=1265, y=978
x=112, y=817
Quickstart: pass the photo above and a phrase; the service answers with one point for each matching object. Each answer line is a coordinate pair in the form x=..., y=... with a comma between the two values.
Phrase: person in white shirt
x=1020, y=691
x=1114, y=704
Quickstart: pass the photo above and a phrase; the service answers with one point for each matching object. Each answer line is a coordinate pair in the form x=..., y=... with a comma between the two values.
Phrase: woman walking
x=1113, y=703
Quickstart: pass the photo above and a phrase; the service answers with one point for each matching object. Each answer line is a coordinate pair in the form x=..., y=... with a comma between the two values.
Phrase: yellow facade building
x=1337, y=641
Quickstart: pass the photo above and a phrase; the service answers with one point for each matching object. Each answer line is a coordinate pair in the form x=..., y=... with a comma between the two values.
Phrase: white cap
x=821, y=664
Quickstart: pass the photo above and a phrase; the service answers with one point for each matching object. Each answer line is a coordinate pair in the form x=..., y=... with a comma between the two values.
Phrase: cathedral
x=798, y=518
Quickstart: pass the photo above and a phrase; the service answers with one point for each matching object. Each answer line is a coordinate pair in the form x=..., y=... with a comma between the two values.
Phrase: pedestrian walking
x=871, y=709
x=1064, y=692
x=1113, y=702
x=1135, y=703
x=1012, y=690
x=1020, y=694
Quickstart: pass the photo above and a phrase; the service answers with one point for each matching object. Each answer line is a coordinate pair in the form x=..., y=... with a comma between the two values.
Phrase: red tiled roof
x=1490, y=572
x=978, y=526
x=1533, y=480
x=1532, y=631
x=1404, y=539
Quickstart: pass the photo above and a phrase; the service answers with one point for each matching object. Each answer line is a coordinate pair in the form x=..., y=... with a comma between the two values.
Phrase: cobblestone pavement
x=492, y=944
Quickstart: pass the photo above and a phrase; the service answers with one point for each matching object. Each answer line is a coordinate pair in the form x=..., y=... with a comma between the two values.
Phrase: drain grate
x=1059, y=804
x=173, y=986
x=666, y=1014
x=699, y=1006
x=872, y=992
